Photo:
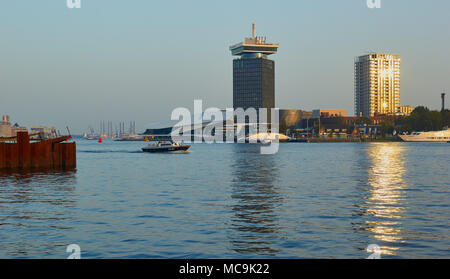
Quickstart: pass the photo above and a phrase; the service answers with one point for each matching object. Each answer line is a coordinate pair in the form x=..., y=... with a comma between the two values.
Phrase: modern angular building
x=253, y=73
x=377, y=84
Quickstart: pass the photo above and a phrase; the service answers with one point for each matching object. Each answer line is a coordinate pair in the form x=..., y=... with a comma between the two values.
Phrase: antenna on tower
x=253, y=30
x=443, y=100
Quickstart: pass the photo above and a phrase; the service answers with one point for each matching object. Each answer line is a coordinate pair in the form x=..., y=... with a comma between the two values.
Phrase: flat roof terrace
x=254, y=45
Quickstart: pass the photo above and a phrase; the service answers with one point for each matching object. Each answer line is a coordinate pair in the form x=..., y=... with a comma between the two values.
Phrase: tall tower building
x=253, y=73
x=377, y=84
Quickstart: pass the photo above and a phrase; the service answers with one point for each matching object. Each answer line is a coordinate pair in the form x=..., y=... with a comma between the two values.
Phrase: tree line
x=423, y=119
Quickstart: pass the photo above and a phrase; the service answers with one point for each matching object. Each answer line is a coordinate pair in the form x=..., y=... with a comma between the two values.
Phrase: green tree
x=422, y=119
x=446, y=118
x=435, y=119
x=386, y=128
x=283, y=127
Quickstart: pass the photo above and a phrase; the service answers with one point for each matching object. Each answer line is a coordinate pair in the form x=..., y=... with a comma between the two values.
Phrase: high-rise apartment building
x=377, y=84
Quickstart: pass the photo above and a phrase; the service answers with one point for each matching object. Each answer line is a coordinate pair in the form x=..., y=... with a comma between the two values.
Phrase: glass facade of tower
x=377, y=84
x=253, y=83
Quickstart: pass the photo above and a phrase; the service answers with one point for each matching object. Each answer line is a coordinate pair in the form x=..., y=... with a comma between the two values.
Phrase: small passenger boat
x=165, y=146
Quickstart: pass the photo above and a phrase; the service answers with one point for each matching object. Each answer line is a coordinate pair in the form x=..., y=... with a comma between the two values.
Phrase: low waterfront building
x=228, y=127
x=17, y=128
x=159, y=131
x=405, y=110
x=293, y=117
x=335, y=130
x=320, y=113
x=334, y=126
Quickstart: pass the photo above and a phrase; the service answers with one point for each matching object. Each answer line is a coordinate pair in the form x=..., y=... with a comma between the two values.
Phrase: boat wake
x=109, y=151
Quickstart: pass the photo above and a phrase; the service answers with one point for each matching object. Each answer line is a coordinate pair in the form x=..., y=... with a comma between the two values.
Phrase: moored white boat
x=264, y=138
x=432, y=136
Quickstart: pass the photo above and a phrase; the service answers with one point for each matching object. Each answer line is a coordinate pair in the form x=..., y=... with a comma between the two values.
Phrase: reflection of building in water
x=384, y=206
x=254, y=226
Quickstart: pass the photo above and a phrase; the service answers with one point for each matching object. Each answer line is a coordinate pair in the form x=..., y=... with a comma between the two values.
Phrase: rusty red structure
x=46, y=154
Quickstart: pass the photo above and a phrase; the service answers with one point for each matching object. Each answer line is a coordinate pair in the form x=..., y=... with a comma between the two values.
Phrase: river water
x=327, y=200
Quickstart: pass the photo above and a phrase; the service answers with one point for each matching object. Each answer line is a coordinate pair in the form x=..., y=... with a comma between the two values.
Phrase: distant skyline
x=138, y=60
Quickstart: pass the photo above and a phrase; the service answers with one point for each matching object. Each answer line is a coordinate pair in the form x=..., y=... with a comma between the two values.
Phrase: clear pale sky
x=137, y=60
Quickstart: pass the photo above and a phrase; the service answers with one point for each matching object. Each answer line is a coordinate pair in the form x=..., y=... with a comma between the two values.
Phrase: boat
x=432, y=136
x=165, y=146
x=89, y=136
x=266, y=141
x=264, y=138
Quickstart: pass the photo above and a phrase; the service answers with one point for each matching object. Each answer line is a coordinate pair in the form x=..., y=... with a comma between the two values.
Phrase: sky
x=138, y=60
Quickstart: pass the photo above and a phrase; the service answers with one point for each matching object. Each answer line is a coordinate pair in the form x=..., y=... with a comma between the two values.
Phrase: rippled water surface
x=229, y=201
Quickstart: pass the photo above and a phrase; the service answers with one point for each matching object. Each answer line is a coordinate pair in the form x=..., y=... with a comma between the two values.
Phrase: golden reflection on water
x=386, y=189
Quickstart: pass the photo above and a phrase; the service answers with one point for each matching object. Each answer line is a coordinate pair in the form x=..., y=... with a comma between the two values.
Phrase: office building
x=253, y=73
x=293, y=117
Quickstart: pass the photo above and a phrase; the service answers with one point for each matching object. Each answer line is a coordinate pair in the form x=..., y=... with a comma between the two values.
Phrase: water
x=228, y=201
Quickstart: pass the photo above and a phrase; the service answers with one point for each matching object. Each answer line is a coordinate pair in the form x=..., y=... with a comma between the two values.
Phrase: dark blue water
x=229, y=201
